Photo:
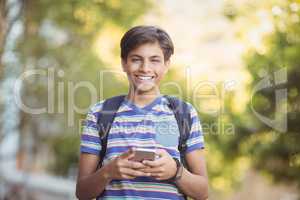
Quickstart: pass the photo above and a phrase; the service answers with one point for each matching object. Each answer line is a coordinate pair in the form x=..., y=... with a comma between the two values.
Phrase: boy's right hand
x=123, y=168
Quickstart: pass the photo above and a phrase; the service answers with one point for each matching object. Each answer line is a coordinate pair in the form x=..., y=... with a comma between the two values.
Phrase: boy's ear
x=167, y=64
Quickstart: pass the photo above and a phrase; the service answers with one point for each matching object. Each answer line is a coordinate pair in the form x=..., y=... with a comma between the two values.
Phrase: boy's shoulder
x=97, y=107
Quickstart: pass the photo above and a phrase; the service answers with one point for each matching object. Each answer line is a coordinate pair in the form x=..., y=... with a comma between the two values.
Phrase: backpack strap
x=184, y=121
x=107, y=114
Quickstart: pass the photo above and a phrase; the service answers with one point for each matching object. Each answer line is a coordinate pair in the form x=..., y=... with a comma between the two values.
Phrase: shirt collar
x=150, y=107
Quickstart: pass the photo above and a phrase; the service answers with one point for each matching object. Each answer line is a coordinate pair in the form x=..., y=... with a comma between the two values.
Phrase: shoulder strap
x=105, y=120
x=184, y=121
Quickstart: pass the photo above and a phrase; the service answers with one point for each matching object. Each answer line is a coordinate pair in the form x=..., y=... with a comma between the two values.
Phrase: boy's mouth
x=144, y=78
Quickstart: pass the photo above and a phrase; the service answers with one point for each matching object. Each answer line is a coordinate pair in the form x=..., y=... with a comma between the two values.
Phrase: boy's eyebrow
x=155, y=56
x=136, y=55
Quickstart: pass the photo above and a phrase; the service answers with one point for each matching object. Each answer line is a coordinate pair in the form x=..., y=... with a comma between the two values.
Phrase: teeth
x=145, y=77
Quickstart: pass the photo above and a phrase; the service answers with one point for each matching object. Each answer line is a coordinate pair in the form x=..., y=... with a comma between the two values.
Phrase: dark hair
x=139, y=35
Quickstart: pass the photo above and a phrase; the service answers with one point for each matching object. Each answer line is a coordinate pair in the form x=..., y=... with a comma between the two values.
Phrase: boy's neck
x=142, y=99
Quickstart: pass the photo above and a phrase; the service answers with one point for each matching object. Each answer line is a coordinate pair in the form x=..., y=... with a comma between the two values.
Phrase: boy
x=143, y=119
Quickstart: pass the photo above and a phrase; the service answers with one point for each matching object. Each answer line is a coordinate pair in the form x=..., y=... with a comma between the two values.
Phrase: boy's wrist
x=179, y=170
x=178, y=173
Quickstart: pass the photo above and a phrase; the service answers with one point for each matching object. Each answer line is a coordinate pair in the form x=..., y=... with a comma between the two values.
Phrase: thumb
x=160, y=152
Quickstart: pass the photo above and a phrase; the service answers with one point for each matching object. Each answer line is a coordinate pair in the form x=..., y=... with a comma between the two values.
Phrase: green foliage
x=278, y=157
x=272, y=151
x=60, y=35
x=66, y=150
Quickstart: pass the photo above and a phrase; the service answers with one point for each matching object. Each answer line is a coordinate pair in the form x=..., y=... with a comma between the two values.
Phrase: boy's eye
x=135, y=59
x=156, y=61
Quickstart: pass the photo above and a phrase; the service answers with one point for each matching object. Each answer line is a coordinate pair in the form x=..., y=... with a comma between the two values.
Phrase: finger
x=127, y=155
x=160, y=178
x=134, y=165
x=144, y=167
x=135, y=173
x=125, y=176
x=161, y=152
x=156, y=175
x=156, y=163
x=152, y=170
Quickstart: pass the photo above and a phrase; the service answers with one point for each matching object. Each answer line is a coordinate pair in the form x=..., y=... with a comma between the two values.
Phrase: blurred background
x=236, y=61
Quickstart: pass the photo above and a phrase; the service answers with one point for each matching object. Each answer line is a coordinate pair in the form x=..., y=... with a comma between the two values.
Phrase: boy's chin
x=146, y=88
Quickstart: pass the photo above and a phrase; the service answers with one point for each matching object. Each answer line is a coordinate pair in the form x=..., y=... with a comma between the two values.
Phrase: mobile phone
x=141, y=154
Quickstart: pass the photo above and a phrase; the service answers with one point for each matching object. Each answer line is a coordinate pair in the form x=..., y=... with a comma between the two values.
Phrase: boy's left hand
x=162, y=168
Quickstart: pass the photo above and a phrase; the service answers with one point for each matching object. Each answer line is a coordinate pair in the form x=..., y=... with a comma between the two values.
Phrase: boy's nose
x=145, y=66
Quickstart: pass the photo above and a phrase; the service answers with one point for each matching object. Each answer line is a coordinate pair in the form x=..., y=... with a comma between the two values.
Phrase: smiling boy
x=143, y=119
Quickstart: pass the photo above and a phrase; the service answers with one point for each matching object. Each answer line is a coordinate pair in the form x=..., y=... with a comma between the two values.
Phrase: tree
x=272, y=147
x=59, y=36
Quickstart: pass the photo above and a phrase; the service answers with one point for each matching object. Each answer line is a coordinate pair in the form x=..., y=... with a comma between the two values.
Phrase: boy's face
x=145, y=67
